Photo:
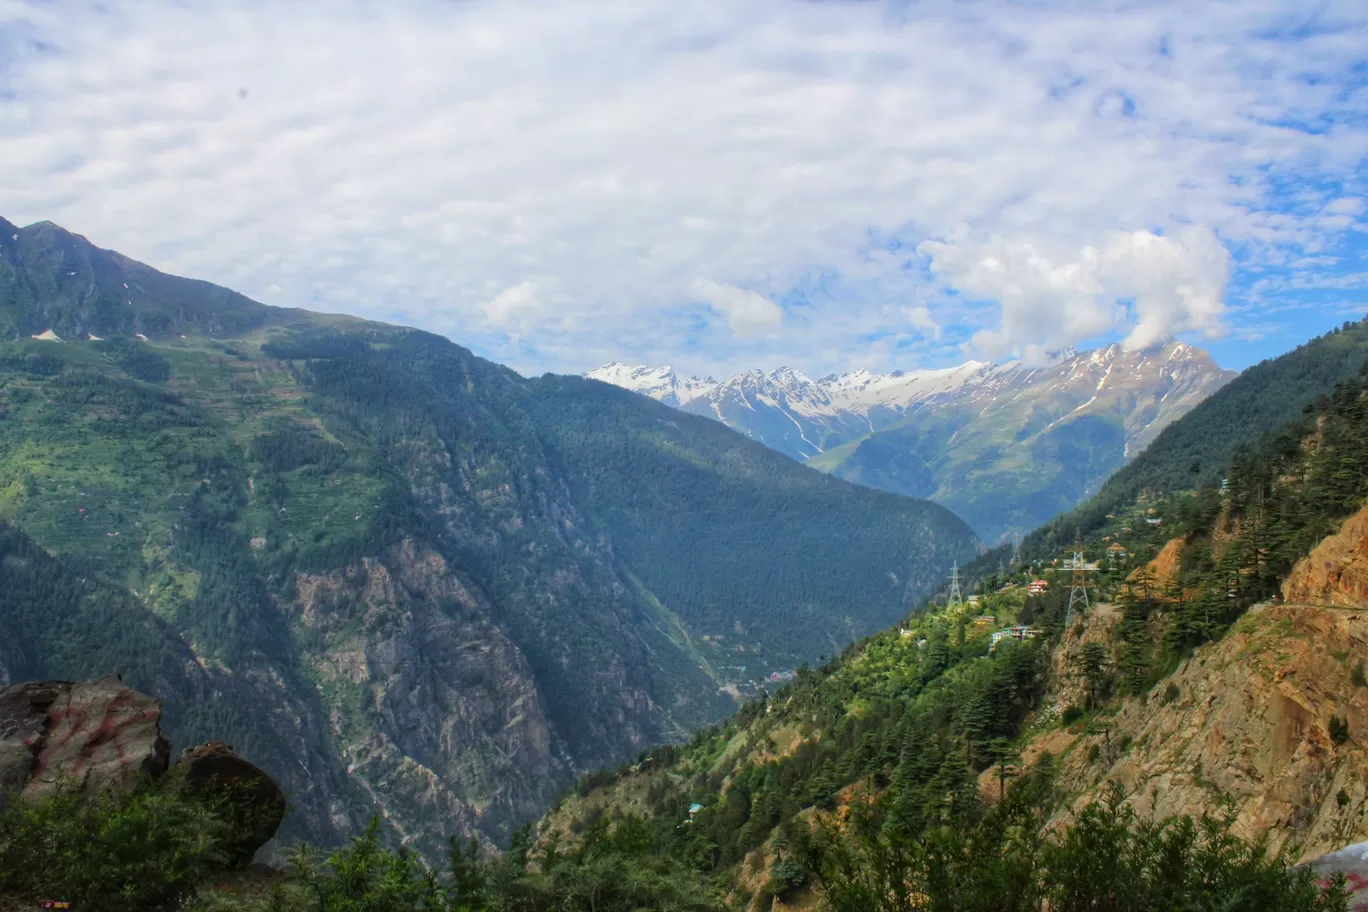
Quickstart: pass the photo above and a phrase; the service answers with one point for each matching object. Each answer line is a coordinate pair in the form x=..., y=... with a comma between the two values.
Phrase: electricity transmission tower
x=1078, y=591
x=1016, y=552
x=955, y=598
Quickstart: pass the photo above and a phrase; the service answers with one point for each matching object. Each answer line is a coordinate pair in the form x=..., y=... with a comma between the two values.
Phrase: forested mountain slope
x=1198, y=450
x=406, y=580
x=910, y=739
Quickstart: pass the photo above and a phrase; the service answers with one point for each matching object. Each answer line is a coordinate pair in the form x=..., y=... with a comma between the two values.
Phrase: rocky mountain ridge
x=1005, y=446
x=865, y=402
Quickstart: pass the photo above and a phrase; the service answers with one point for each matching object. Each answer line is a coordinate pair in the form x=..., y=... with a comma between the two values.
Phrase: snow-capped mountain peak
x=789, y=411
x=1054, y=429
x=660, y=383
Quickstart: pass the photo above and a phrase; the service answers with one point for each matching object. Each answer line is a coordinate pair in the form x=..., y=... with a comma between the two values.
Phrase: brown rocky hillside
x=1249, y=718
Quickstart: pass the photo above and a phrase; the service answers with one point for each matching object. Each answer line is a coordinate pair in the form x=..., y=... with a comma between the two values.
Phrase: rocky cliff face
x=433, y=708
x=1336, y=571
x=1248, y=719
x=1272, y=717
x=97, y=736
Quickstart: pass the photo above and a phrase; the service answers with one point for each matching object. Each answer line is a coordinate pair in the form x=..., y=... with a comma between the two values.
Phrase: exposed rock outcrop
x=1070, y=688
x=1163, y=571
x=1336, y=571
x=434, y=708
x=1249, y=719
x=98, y=735
x=1273, y=717
x=88, y=736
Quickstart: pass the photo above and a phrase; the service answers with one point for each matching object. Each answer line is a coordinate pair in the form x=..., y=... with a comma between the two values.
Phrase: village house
x=1019, y=632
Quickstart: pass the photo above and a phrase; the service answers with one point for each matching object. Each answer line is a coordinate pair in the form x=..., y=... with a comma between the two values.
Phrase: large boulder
x=86, y=736
x=1352, y=862
x=257, y=803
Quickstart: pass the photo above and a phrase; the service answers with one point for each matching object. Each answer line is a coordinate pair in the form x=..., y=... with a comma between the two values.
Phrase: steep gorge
x=407, y=581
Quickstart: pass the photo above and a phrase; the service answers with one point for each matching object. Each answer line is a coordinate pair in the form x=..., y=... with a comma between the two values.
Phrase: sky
x=719, y=185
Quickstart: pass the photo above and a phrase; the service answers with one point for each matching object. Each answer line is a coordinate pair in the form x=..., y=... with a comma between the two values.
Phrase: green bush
x=363, y=877
x=614, y=867
x=1107, y=859
x=147, y=849
x=786, y=875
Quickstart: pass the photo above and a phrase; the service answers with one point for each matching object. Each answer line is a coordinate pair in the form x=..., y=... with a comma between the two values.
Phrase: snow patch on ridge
x=842, y=407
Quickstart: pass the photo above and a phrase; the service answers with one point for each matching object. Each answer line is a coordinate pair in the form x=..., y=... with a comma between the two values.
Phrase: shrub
x=786, y=875
x=145, y=849
x=1339, y=729
x=1107, y=858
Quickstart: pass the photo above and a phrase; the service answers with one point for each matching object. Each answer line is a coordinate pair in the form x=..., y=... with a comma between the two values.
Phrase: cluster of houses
x=1018, y=632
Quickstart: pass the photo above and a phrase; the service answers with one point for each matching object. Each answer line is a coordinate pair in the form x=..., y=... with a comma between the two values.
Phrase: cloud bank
x=547, y=182
x=1155, y=286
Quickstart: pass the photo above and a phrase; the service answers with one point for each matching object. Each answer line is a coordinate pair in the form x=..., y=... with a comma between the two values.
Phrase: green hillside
x=897, y=736
x=415, y=583
x=995, y=474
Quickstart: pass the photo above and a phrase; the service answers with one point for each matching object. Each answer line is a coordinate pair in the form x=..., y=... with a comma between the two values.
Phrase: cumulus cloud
x=746, y=311
x=1176, y=284
x=419, y=159
x=514, y=306
x=919, y=318
x=1155, y=286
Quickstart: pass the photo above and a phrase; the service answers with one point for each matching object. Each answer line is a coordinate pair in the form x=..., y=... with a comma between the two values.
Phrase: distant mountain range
x=1005, y=446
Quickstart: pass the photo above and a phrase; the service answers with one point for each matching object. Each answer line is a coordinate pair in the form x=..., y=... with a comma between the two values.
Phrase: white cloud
x=746, y=311
x=919, y=318
x=514, y=306
x=1172, y=284
x=1176, y=283
x=420, y=158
